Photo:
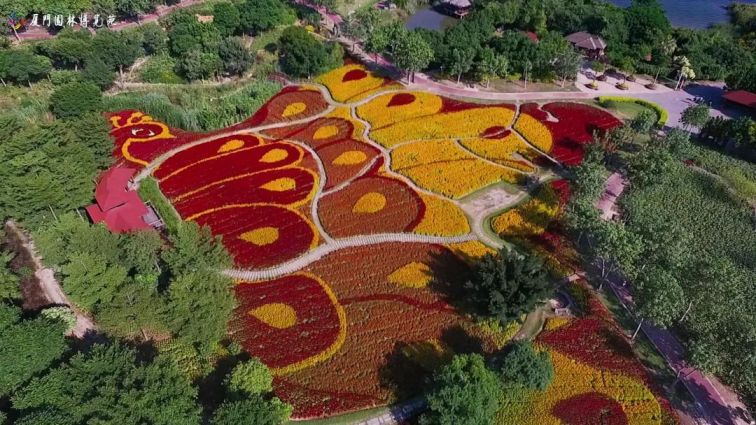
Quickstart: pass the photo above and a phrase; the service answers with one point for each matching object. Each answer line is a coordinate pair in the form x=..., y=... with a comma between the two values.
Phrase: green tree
x=253, y=410
x=644, y=121
x=61, y=314
x=90, y=279
x=9, y=281
x=491, y=65
x=141, y=250
x=235, y=56
x=679, y=144
x=412, y=54
x=28, y=347
x=108, y=384
x=75, y=99
x=463, y=62
x=69, y=50
x=118, y=49
x=650, y=166
x=567, y=63
x=377, y=41
x=227, y=18
x=659, y=297
x=507, y=285
x=195, y=250
x=98, y=72
x=615, y=248
x=695, y=116
x=301, y=55
x=22, y=66
x=262, y=15
x=154, y=38
x=132, y=8
x=521, y=365
x=199, y=65
x=250, y=378
x=463, y=392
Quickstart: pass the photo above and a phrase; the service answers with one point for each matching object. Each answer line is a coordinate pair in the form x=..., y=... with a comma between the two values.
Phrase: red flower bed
x=316, y=133
x=288, y=321
x=342, y=160
x=274, y=110
x=590, y=409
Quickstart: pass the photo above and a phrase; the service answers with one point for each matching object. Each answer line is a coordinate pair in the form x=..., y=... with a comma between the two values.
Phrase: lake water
x=693, y=13
x=428, y=18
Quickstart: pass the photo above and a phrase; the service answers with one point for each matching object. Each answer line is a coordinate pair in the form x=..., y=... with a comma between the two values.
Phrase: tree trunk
x=3, y=81
x=640, y=323
x=564, y=80
x=658, y=71
x=690, y=305
x=488, y=82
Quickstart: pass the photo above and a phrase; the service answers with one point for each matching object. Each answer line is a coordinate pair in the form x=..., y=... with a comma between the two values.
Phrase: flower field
x=343, y=203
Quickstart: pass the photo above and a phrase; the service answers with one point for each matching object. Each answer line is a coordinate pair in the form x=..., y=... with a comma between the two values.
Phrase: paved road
x=719, y=404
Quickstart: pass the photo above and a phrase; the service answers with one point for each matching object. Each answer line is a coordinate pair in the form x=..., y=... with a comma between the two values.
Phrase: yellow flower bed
x=531, y=218
x=343, y=91
x=345, y=113
x=500, y=335
x=413, y=275
x=472, y=250
x=573, y=378
x=534, y=132
x=501, y=151
x=379, y=114
x=452, y=125
x=446, y=169
x=442, y=218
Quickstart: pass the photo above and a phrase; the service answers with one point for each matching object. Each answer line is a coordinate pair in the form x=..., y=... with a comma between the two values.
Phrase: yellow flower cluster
x=500, y=335
x=442, y=218
x=352, y=89
x=501, y=151
x=451, y=125
x=412, y=275
x=534, y=132
x=573, y=378
x=444, y=168
x=345, y=113
x=472, y=250
x=531, y=218
x=379, y=114
x=555, y=323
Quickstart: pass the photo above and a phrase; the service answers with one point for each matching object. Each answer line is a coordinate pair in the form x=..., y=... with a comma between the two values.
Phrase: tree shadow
x=449, y=274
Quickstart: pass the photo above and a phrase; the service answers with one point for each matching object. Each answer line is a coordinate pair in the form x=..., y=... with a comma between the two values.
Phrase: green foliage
x=118, y=49
x=154, y=38
x=521, y=365
x=508, y=285
x=50, y=166
x=90, y=279
x=650, y=166
x=659, y=296
x=695, y=116
x=99, y=73
x=302, y=55
x=413, y=53
x=61, y=314
x=227, y=18
x=254, y=410
x=132, y=7
x=199, y=65
x=27, y=347
x=9, y=281
x=262, y=15
x=70, y=49
x=464, y=392
x=235, y=56
x=662, y=116
x=160, y=69
x=60, y=77
x=109, y=385
x=643, y=122
x=22, y=66
x=250, y=378
x=195, y=250
x=75, y=100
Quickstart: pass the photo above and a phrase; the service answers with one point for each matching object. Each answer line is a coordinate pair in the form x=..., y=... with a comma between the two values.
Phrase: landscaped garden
x=345, y=206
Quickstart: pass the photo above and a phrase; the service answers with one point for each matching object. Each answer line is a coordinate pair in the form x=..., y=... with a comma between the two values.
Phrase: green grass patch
x=150, y=192
x=631, y=107
x=347, y=419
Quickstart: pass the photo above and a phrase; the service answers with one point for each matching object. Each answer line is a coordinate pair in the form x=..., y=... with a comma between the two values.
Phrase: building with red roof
x=742, y=98
x=119, y=207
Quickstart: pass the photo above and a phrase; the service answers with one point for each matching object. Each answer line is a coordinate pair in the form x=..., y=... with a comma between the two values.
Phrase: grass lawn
x=626, y=110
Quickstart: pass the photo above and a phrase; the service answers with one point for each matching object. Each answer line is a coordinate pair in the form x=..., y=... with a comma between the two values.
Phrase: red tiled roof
x=532, y=36
x=742, y=97
x=111, y=189
x=119, y=208
x=586, y=40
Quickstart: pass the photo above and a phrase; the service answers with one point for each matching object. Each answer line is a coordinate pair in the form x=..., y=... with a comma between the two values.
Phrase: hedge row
x=660, y=112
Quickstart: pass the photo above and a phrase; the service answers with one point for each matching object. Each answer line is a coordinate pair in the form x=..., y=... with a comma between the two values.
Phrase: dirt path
x=718, y=404
x=49, y=285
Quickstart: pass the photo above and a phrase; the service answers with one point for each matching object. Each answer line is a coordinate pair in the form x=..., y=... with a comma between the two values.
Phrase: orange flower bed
x=303, y=183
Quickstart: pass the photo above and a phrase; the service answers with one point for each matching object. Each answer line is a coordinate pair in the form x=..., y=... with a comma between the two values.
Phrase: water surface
x=693, y=13
x=426, y=17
